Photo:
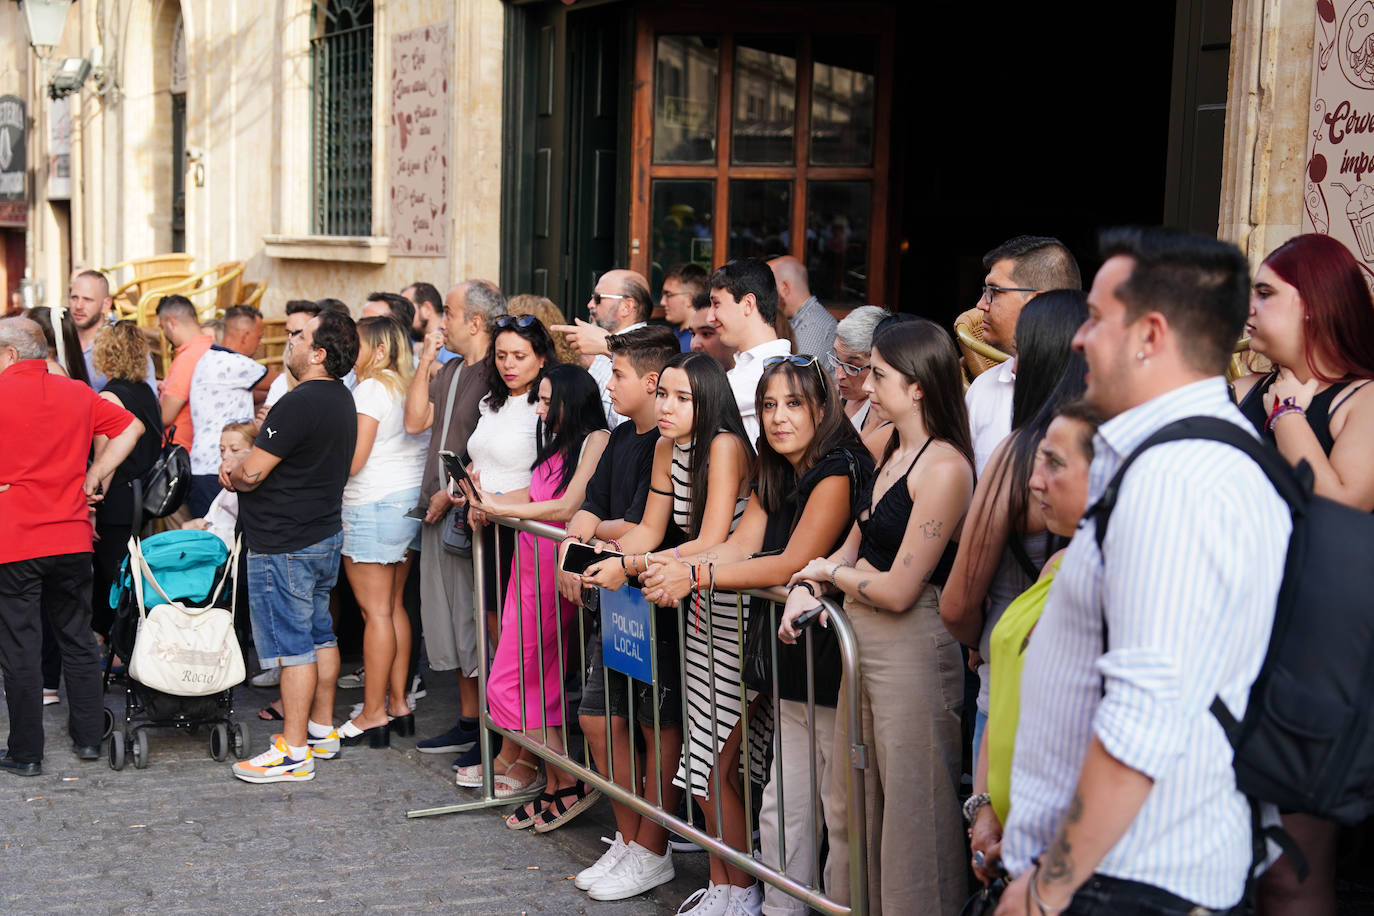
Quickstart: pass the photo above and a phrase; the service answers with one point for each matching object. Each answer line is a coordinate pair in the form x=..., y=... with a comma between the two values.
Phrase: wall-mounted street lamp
x=43, y=20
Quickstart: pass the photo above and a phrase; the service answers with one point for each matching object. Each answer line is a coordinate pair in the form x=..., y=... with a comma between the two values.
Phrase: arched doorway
x=178, y=132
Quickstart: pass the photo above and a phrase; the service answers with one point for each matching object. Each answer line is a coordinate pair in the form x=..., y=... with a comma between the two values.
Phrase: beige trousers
x=911, y=675
x=794, y=819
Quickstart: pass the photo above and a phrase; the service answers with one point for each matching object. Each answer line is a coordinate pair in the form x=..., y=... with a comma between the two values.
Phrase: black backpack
x=165, y=484
x=1306, y=743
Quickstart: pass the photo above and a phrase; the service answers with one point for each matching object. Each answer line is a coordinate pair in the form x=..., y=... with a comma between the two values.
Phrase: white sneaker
x=609, y=859
x=639, y=870
x=269, y=677
x=353, y=680
x=50, y=697
x=711, y=900
x=746, y=901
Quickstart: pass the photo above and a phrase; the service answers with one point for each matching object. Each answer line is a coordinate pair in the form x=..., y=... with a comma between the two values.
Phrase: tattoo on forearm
x=863, y=586
x=708, y=555
x=1058, y=866
x=250, y=478
x=932, y=529
x=906, y=560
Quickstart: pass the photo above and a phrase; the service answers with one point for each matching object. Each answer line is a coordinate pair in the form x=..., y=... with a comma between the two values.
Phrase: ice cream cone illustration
x=1360, y=211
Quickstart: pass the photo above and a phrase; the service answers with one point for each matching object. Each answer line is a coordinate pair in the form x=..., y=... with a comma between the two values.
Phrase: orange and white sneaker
x=326, y=748
x=276, y=765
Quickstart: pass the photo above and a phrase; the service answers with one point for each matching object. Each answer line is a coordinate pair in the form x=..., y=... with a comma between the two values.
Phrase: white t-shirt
x=276, y=389
x=989, y=411
x=221, y=392
x=222, y=517
x=744, y=380
x=503, y=445
x=397, y=459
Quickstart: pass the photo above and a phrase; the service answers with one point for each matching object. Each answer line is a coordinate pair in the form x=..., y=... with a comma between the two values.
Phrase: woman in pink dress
x=535, y=621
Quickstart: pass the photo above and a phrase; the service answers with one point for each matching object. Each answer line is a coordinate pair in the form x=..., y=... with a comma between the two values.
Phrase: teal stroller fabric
x=185, y=563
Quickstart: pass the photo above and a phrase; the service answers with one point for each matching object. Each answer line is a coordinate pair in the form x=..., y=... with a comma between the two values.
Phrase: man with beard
x=89, y=303
x=620, y=302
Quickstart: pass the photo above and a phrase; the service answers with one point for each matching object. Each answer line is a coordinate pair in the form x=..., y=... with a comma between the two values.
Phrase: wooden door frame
x=865, y=19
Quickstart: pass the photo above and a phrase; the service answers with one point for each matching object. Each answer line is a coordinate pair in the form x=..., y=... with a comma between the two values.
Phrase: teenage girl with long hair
x=889, y=574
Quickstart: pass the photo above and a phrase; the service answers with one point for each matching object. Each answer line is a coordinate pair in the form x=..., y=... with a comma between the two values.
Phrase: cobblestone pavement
x=184, y=836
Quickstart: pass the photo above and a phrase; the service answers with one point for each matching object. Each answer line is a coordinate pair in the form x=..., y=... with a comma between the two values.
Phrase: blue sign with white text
x=625, y=643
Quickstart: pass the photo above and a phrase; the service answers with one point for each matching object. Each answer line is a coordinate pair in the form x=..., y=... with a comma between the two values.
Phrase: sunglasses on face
x=597, y=297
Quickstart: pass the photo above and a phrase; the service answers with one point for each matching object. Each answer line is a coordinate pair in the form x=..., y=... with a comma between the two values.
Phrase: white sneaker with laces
x=746, y=901
x=609, y=859
x=638, y=871
x=711, y=900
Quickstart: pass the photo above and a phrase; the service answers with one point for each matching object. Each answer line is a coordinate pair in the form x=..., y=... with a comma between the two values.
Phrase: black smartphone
x=416, y=512
x=806, y=618
x=453, y=466
x=580, y=556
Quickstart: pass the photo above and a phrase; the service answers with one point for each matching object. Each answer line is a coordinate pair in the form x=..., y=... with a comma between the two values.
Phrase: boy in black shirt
x=290, y=491
x=638, y=860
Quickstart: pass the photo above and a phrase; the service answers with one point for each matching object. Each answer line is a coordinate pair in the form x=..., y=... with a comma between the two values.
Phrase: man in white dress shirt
x=1016, y=270
x=744, y=301
x=619, y=302
x=1123, y=799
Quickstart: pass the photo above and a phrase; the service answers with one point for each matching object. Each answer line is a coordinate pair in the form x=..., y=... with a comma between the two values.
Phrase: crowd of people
x=746, y=439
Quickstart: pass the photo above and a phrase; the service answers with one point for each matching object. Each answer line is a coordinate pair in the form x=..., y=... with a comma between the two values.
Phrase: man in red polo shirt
x=180, y=324
x=50, y=423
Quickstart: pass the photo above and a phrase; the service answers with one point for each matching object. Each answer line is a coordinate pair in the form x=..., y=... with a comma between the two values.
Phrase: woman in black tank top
x=1312, y=315
x=886, y=573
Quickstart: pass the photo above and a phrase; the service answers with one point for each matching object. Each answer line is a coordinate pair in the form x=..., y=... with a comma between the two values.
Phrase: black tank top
x=1318, y=413
x=883, y=530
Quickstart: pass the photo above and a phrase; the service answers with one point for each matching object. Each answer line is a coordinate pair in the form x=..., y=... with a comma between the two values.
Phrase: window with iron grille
x=341, y=122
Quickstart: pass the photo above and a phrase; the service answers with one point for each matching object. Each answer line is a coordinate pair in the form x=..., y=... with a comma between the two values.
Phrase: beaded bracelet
x=614, y=543
x=1284, y=409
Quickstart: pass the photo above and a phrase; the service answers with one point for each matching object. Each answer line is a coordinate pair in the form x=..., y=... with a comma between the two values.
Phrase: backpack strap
x=1292, y=485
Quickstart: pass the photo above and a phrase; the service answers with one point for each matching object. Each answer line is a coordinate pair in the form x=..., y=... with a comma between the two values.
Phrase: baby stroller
x=188, y=568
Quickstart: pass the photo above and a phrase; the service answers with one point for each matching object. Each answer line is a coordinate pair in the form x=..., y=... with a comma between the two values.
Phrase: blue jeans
x=288, y=601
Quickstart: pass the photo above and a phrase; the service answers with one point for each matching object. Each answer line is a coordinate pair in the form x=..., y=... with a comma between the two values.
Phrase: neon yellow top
x=1010, y=638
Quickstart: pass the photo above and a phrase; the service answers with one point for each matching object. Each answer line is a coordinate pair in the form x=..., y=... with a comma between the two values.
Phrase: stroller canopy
x=185, y=564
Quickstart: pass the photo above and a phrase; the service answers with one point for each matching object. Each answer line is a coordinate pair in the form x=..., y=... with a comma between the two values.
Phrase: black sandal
x=526, y=814
x=560, y=812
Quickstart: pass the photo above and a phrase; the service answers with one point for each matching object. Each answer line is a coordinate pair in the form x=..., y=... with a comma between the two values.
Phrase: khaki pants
x=794, y=819
x=911, y=693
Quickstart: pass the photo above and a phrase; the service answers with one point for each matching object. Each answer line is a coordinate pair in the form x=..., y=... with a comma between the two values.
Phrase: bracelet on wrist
x=973, y=805
x=807, y=585
x=614, y=543
x=1044, y=908
x=833, y=570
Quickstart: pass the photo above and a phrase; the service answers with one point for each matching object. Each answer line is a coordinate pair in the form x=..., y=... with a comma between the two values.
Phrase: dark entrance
x=565, y=184
x=178, y=171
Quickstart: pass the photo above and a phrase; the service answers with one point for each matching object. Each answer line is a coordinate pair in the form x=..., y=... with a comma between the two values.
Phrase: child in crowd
x=221, y=519
x=614, y=504
x=700, y=483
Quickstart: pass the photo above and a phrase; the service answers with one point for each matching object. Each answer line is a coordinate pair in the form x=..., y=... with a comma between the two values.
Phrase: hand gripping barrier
x=530, y=625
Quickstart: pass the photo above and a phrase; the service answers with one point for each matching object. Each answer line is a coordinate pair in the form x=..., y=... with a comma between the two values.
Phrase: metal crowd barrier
x=855, y=762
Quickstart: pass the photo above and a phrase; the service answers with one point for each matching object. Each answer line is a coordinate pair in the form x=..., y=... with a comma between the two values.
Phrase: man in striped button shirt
x=1122, y=788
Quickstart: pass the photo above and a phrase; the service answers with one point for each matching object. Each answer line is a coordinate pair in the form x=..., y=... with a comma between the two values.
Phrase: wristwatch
x=973, y=804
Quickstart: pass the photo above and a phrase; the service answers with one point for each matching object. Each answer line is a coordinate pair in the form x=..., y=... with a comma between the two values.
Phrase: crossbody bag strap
x=448, y=419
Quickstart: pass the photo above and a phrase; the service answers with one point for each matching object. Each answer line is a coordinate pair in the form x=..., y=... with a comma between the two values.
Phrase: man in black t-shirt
x=290, y=494
x=638, y=859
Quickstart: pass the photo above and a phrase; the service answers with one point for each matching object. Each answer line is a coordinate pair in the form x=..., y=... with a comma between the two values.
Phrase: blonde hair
x=248, y=429
x=399, y=367
x=121, y=351
x=548, y=315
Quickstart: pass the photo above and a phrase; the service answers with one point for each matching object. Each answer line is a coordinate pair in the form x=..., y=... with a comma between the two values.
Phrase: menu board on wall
x=1339, y=191
x=419, y=141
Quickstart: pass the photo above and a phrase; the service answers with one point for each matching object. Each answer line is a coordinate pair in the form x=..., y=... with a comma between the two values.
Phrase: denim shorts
x=379, y=532
x=288, y=601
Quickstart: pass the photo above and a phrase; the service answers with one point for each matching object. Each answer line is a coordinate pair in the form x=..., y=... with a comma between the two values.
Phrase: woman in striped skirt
x=700, y=483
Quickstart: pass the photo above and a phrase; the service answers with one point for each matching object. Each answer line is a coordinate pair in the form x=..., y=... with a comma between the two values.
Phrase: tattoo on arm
x=863, y=588
x=251, y=478
x=708, y=555
x=906, y=560
x=932, y=529
x=1058, y=866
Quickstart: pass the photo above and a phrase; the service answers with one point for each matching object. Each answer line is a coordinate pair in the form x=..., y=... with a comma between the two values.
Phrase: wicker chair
x=978, y=355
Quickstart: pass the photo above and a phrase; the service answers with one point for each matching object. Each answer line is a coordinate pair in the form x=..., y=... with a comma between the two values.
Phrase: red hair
x=1338, y=304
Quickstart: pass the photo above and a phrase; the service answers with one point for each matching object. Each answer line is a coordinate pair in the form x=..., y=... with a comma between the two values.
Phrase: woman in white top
x=503, y=449
x=379, y=538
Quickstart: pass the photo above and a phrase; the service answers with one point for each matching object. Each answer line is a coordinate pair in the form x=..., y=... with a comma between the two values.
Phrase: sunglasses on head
x=800, y=360
x=515, y=321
